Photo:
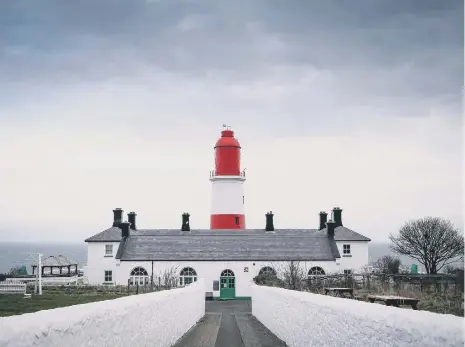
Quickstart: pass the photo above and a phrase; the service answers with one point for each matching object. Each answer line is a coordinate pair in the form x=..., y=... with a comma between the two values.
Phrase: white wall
x=97, y=263
x=304, y=319
x=208, y=270
x=155, y=319
x=358, y=258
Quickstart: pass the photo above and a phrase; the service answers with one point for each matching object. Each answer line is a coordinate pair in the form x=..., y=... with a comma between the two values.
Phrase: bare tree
x=387, y=265
x=292, y=274
x=168, y=278
x=452, y=269
x=433, y=241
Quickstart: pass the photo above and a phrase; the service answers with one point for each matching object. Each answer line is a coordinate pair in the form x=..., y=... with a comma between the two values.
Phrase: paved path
x=229, y=324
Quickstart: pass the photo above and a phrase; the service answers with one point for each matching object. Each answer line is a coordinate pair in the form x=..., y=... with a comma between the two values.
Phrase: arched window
x=187, y=276
x=316, y=271
x=267, y=271
x=139, y=275
x=227, y=273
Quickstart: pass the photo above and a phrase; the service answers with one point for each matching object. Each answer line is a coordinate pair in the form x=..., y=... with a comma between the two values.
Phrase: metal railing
x=213, y=173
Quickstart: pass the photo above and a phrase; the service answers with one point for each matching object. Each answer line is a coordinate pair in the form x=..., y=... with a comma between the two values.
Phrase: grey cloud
x=381, y=48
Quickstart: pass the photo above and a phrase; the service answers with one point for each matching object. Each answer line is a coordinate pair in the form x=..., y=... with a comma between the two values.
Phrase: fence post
x=459, y=280
x=137, y=288
x=129, y=281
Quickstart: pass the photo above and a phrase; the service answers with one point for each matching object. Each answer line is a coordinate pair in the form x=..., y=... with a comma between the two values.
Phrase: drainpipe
x=151, y=279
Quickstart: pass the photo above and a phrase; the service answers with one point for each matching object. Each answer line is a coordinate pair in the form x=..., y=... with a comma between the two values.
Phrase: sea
x=18, y=254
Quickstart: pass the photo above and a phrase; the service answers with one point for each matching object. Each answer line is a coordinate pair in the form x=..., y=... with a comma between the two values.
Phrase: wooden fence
x=12, y=288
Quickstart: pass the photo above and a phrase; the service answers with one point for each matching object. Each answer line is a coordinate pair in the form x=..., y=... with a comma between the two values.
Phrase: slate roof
x=207, y=245
x=112, y=234
x=343, y=233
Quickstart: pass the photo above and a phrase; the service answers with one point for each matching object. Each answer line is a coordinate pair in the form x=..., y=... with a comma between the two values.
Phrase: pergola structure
x=57, y=265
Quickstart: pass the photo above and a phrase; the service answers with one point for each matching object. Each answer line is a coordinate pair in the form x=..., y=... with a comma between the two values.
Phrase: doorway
x=227, y=285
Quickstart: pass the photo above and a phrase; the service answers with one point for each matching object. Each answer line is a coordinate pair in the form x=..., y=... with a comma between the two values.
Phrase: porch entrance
x=227, y=285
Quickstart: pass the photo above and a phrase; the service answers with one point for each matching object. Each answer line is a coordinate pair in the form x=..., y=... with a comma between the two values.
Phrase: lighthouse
x=227, y=209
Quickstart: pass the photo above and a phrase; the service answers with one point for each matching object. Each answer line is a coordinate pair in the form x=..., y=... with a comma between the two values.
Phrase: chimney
x=185, y=222
x=124, y=226
x=269, y=222
x=323, y=220
x=132, y=220
x=117, y=216
x=337, y=216
x=330, y=225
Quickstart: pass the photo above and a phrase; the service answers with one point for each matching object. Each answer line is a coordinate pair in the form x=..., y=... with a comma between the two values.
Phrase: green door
x=227, y=285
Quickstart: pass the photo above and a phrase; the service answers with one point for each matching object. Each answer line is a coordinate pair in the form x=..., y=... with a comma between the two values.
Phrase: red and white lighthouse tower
x=227, y=210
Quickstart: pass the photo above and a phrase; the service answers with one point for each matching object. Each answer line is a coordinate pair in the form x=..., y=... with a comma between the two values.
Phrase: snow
x=154, y=319
x=304, y=319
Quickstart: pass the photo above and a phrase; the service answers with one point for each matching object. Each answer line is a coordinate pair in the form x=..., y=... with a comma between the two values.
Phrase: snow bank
x=305, y=319
x=154, y=319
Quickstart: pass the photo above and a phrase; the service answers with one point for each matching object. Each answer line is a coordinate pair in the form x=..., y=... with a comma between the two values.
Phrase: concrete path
x=229, y=324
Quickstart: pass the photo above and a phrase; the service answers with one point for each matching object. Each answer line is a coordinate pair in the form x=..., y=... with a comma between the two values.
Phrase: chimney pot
x=124, y=226
x=330, y=225
x=323, y=220
x=269, y=221
x=117, y=216
x=337, y=216
x=132, y=220
x=185, y=222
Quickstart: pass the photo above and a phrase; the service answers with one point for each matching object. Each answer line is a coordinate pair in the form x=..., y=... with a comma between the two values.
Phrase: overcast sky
x=112, y=103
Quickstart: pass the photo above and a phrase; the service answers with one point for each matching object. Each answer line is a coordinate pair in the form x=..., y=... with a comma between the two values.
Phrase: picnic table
x=396, y=301
x=339, y=291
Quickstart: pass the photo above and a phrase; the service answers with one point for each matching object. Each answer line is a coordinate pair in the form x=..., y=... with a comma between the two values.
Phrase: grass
x=445, y=301
x=54, y=297
x=448, y=303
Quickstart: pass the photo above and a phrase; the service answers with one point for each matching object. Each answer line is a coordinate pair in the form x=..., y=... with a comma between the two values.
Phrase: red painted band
x=227, y=221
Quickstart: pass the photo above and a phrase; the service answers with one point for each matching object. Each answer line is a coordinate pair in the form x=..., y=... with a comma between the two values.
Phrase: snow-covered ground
x=305, y=319
x=154, y=319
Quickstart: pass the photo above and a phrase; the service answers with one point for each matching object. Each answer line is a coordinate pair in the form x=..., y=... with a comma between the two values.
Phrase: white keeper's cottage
x=228, y=256
x=228, y=260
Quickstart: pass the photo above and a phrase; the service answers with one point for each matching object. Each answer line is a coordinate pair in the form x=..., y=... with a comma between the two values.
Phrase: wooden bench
x=13, y=288
x=396, y=301
x=340, y=291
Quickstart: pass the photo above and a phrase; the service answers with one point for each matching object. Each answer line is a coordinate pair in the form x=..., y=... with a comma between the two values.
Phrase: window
x=187, y=276
x=237, y=220
x=139, y=276
x=345, y=249
x=316, y=271
x=108, y=276
x=108, y=250
x=267, y=271
x=227, y=273
x=347, y=271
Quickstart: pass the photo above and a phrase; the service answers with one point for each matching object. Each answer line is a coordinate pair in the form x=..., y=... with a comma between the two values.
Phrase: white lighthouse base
x=227, y=211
